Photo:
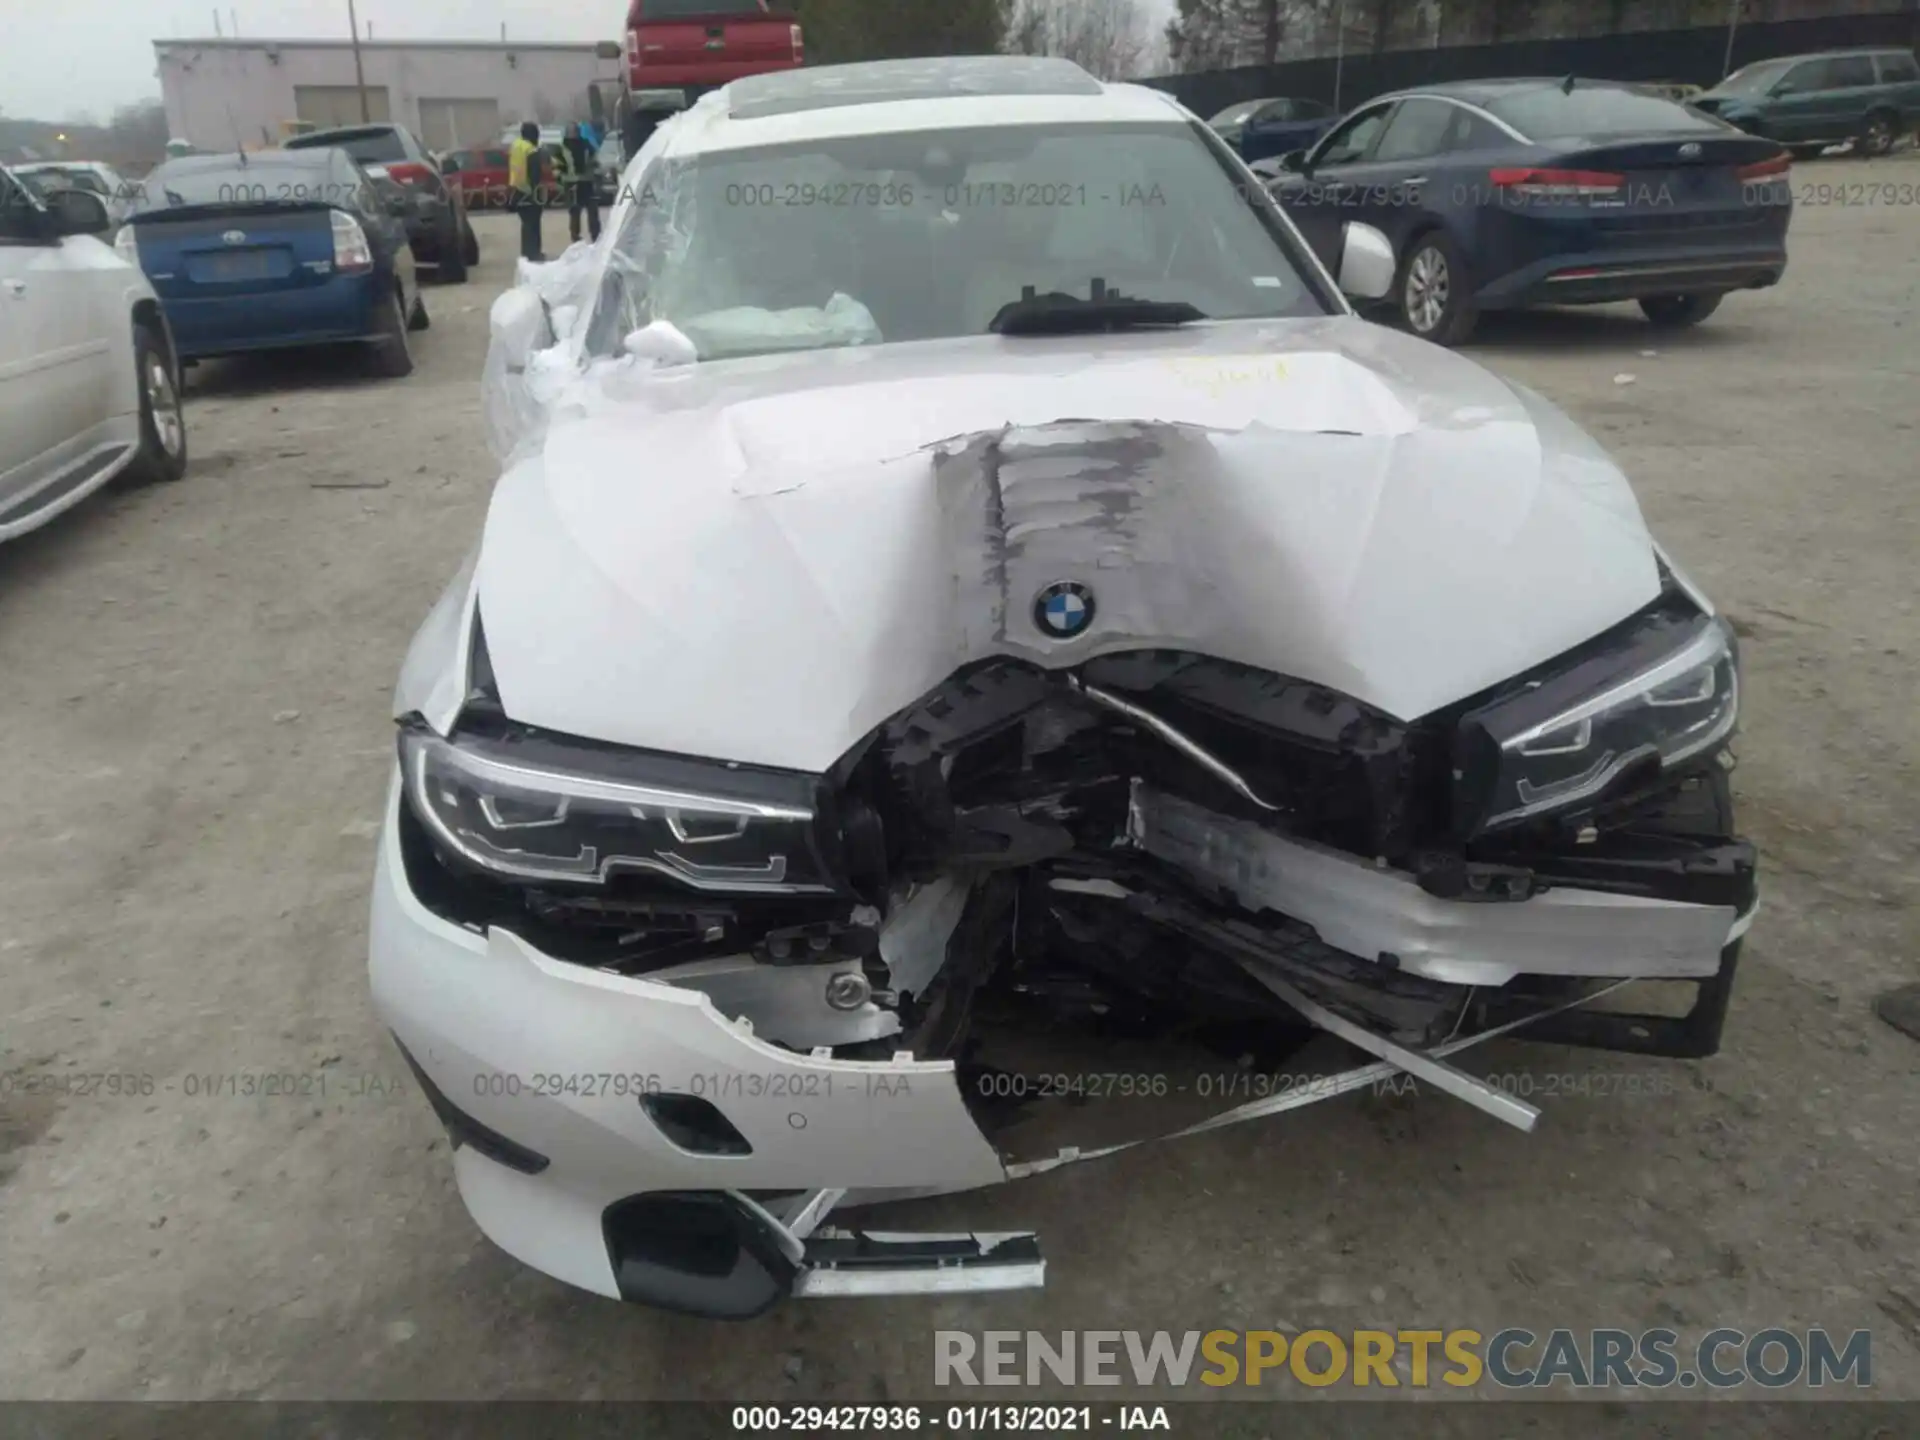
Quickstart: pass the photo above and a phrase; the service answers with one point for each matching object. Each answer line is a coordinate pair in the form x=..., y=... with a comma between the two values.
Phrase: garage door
x=457, y=124
x=327, y=105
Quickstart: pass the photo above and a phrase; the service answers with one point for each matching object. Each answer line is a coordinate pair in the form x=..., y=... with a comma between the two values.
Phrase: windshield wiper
x=1057, y=313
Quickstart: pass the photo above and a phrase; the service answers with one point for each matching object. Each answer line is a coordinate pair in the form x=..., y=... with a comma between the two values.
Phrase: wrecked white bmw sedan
x=973, y=628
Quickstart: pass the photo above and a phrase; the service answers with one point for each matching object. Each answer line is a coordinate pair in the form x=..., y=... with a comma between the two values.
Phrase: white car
x=89, y=384
x=979, y=658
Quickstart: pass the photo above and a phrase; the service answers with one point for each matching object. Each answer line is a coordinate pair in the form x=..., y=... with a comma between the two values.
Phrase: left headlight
x=1661, y=693
x=538, y=809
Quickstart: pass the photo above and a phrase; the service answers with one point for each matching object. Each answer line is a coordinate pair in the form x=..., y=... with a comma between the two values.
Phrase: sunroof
x=940, y=77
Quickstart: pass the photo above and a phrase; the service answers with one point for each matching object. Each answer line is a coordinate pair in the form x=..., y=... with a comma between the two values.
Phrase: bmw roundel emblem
x=1064, y=609
x=235, y=237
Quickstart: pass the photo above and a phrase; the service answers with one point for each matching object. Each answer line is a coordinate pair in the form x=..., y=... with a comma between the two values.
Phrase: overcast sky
x=63, y=58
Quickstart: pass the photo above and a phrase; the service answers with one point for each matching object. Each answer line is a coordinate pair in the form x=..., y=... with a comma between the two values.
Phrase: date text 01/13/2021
x=966, y=1419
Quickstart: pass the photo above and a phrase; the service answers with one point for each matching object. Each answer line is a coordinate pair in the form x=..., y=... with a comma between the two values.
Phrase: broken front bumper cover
x=542, y=1070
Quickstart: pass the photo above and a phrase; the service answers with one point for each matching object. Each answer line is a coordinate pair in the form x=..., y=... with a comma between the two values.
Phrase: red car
x=479, y=175
x=696, y=45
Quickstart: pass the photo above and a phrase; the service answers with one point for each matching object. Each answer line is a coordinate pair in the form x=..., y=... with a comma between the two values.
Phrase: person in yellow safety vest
x=523, y=181
x=575, y=166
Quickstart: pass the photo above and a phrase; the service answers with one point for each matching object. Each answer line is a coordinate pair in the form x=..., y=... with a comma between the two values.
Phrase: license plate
x=241, y=265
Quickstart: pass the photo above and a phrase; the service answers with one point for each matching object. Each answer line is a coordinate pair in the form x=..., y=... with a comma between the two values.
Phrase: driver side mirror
x=1366, y=263
x=78, y=212
x=1294, y=162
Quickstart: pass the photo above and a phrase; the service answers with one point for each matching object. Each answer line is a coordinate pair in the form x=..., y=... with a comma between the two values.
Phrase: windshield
x=1752, y=80
x=369, y=147
x=263, y=180
x=1551, y=113
x=928, y=234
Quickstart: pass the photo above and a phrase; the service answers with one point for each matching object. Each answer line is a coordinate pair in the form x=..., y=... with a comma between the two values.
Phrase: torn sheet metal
x=1366, y=911
x=1443, y=1077
x=787, y=1004
x=807, y=543
x=1298, y=1097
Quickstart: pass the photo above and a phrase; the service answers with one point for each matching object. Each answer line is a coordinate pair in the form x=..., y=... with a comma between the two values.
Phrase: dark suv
x=438, y=230
x=1808, y=102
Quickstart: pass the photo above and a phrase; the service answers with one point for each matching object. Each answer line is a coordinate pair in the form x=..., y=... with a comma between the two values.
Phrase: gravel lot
x=196, y=744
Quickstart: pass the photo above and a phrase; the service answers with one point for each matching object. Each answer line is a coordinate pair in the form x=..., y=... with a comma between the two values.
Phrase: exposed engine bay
x=1158, y=876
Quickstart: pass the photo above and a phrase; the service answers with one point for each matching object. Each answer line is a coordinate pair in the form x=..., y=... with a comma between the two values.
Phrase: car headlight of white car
x=537, y=809
x=1652, y=698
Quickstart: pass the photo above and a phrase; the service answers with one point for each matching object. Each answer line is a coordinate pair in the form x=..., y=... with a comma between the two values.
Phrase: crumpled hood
x=761, y=561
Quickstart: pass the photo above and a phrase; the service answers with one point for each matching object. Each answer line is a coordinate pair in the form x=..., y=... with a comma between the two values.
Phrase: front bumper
x=542, y=1070
x=555, y=1057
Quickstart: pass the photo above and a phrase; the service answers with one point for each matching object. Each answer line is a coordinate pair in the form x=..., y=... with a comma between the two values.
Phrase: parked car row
x=109, y=289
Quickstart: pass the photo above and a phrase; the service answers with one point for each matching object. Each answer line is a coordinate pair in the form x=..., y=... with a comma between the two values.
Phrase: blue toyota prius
x=274, y=250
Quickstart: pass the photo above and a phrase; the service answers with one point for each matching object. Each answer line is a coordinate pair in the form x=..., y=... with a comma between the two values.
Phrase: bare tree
x=1110, y=38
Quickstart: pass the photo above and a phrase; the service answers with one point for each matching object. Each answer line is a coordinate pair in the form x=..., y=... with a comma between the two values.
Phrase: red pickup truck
x=695, y=45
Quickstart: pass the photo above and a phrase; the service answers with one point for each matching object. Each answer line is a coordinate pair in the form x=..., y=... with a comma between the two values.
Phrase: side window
x=19, y=224
x=1311, y=110
x=1418, y=129
x=1469, y=133
x=1804, y=79
x=1351, y=141
x=1898, y=69
x=495, y=159
x=1278, y=111
x=1849, y=71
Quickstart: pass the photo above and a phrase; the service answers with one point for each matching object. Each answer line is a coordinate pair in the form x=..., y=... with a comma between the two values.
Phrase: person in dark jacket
x=576, y=164
x=523, y=181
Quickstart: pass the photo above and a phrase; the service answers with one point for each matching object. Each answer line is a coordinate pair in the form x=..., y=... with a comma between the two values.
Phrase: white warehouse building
x=450, y=93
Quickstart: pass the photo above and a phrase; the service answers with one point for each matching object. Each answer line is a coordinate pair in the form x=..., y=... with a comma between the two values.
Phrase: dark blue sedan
x=1264, y=129
x=1501, y=194
x=275, y=250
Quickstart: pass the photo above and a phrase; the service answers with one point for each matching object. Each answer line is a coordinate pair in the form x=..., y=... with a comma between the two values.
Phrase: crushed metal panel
x=1367, y=911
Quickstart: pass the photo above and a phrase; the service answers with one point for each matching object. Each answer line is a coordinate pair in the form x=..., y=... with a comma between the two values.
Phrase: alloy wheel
x=163, y=403
x=1429, y=288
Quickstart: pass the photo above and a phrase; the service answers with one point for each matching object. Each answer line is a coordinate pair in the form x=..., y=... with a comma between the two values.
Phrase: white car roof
x=890, y=96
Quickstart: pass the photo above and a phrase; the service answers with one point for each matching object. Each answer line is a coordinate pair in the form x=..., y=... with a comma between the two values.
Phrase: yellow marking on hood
x=1218, y=376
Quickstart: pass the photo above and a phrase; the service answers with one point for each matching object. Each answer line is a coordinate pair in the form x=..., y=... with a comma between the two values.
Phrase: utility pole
x=359, y=74
x=1339, y=50
x=1733, y=25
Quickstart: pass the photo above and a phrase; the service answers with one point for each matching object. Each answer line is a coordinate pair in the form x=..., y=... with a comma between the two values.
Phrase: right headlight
x=1662, y=692
x=538, y=808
